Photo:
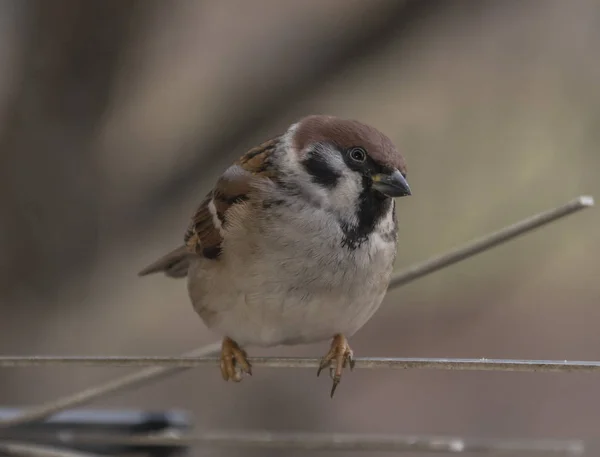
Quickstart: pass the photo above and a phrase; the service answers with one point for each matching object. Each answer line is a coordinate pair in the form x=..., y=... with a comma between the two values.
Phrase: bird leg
x=339, y=354
x=234, y=361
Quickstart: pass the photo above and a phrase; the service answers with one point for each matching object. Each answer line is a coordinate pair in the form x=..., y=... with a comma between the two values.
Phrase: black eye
x=357, y=154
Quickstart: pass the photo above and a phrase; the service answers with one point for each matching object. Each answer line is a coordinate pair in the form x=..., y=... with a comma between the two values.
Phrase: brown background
x=115, y=118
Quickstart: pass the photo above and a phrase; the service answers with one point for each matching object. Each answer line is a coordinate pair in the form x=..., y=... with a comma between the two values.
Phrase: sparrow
x=295, y=243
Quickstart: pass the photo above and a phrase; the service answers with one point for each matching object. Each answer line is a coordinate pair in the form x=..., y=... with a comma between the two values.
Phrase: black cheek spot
x=321, y=171
x=212, y=252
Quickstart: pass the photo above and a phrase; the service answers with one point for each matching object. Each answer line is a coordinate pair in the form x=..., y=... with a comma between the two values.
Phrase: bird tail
x=175, y=264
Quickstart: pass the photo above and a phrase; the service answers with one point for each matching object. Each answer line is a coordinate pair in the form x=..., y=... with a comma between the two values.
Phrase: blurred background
x=117, y=116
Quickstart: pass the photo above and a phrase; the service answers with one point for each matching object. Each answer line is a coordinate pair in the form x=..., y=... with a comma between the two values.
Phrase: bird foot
x=234, y=361
x=336, y=359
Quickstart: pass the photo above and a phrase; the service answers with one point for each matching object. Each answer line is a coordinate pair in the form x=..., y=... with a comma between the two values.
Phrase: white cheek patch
x=344, y=196
x=212, y=209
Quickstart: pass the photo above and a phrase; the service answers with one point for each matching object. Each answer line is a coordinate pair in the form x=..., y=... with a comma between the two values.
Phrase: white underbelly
x=285, y=319
x=268, y=307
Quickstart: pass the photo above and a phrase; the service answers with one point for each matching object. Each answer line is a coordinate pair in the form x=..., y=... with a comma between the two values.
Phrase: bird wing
x=204, y=234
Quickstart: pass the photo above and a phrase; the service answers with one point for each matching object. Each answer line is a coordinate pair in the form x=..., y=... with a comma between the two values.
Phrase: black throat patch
x=371, y=209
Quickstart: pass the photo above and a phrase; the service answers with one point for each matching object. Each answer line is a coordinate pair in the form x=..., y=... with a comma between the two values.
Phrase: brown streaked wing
x=204, y=234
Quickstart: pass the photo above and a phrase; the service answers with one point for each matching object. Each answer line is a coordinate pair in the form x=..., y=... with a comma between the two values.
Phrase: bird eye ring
x=357, y=154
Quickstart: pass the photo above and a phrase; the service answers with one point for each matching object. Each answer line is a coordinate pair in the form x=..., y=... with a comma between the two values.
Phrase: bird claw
x=234, y=361
x=340, y=353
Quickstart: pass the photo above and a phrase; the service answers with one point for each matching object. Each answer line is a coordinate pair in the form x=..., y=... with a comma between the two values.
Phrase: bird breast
x=285, y=278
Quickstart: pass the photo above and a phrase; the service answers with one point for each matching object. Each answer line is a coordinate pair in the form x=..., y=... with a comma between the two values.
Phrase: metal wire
x=46, y=409
x=331, y=442
x=130, y=380
x=18, y=449
x=369, y=363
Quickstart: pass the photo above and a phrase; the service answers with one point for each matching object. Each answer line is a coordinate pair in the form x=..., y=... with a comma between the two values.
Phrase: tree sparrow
x=295, y=244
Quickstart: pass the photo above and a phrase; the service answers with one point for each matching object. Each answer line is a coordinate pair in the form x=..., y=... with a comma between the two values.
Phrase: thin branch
x=412, y=273
x=338, y=442
x=489, y=241
x=369, y=363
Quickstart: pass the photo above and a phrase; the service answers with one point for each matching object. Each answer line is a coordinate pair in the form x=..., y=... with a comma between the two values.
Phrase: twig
x=489, y=241
x=412, y=273
x=369, y=363
x=339, y=442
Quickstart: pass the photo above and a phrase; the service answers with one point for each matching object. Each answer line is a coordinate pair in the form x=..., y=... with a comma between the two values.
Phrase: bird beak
x=391, y=184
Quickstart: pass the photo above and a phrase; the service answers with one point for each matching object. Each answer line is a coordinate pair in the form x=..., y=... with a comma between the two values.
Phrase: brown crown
x=348, y=133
